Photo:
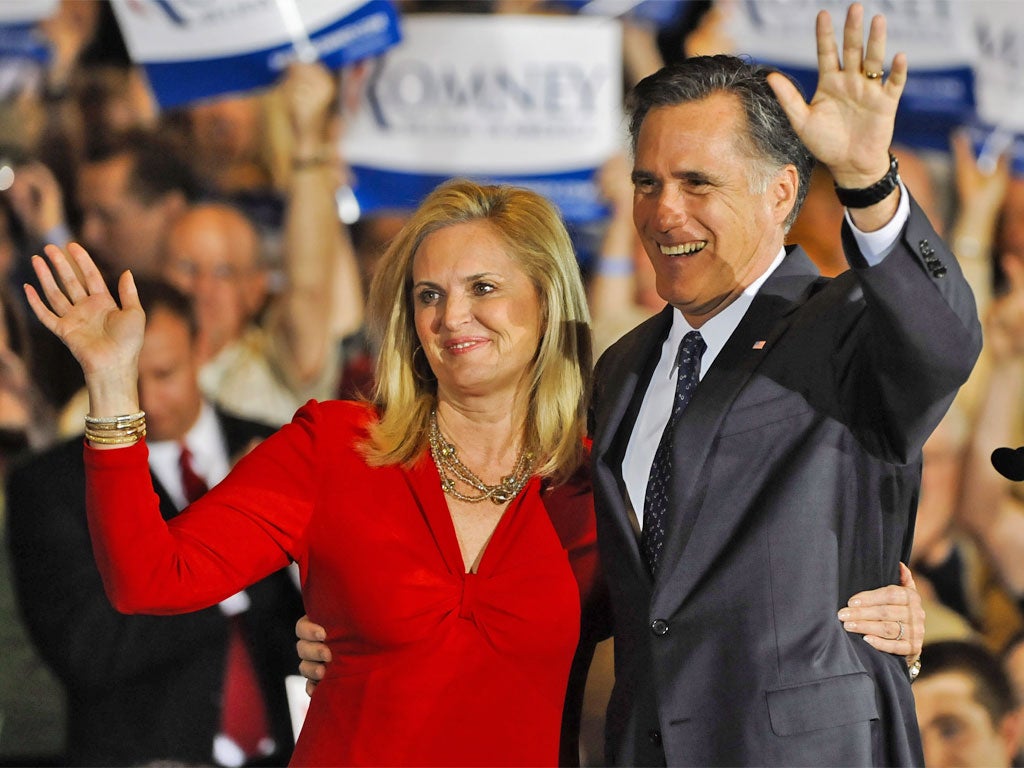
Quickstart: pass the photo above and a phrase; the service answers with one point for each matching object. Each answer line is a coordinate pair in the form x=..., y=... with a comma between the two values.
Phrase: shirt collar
x=717, y=329
x=203, y=440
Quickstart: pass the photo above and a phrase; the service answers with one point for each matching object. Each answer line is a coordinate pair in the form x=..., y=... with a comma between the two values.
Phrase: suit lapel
x=697, y=531
x=618, y=409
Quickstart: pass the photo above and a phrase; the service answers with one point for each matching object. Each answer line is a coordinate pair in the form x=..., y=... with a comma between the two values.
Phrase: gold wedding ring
x=900, y=635
x=873, y=75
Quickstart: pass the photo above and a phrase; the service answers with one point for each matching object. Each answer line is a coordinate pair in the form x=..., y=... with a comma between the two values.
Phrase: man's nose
x=203, y=281
x=670, y=209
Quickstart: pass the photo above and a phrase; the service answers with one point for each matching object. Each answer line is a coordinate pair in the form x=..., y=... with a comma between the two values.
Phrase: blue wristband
x=615, y=267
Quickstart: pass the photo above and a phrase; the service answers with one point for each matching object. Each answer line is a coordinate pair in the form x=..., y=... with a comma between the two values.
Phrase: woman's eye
x=481, y=289
x=428, y=297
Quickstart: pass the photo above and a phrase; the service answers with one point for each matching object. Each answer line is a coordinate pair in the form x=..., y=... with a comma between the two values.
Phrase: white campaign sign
x=515, y=94
x=176, y=30
x=24, y=11
x=933, y=33
x=485, y=96
x=193, y=49
x=999, y=29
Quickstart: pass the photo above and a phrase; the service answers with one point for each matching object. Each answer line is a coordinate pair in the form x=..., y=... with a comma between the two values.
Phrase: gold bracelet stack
x=116, y=430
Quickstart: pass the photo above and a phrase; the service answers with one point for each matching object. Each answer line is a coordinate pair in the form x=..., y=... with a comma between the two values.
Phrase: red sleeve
x=248, y=526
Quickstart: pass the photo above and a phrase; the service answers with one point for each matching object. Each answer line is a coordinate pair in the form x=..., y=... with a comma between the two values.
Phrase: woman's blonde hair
x=406, y=390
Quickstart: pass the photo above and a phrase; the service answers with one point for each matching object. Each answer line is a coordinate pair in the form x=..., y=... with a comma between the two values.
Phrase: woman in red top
x=444, y=534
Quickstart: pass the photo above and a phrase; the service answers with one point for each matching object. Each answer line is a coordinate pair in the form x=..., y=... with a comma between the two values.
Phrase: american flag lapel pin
x=760, y=344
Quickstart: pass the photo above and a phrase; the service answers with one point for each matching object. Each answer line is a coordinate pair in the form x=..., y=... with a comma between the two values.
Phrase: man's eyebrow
x=693, y=177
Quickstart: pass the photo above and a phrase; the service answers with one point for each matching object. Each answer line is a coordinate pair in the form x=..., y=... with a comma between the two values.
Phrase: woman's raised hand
x=79, y=310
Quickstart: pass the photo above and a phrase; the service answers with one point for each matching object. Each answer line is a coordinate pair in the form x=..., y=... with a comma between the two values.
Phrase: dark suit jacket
x=797, y=469
x=140, y=688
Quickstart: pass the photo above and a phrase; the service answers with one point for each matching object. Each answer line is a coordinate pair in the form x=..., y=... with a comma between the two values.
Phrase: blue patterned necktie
x=652, y=539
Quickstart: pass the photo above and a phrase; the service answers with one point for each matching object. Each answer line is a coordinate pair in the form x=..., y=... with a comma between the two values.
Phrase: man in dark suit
x=147, y=688
x=750, y=479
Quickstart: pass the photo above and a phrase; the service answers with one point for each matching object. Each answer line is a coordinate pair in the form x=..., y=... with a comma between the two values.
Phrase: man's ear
x=783, y=192
x=1011, y=731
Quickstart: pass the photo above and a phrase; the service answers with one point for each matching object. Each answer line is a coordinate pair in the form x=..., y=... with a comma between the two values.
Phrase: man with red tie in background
x=190, y=688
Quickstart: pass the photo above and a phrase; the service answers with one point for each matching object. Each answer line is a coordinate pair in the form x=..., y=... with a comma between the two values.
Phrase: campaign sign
x=528, y=100
x=999, y=33
x=194, y=49
x=935, y=35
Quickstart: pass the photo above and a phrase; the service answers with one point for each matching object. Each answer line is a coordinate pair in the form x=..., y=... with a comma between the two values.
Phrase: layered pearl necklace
x=449, y=464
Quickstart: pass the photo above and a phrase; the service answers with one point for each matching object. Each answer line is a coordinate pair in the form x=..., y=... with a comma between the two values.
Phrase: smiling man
x=758, y=443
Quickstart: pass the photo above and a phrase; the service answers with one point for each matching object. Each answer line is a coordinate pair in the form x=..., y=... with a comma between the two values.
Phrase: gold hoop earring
x=425, y=378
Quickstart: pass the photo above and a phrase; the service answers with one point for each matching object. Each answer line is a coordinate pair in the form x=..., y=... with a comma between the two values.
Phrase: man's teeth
x=684, y=249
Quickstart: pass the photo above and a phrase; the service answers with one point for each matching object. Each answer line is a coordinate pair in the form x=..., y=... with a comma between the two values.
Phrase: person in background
x=967, y=710
x=31, y=698
x=1013, y=662
x=265, y=352
x=259, y=361
x=148, y=688
x=621, y=287
x=130, y=193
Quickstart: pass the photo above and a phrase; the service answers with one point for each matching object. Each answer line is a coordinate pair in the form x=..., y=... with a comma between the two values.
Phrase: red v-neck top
x=431, y=665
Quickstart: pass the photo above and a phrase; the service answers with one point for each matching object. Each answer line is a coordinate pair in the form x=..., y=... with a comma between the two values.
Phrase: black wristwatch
x=876, y=193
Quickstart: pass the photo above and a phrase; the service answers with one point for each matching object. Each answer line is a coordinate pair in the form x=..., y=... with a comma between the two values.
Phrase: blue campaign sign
x=21, y=41
x=193, y=51
x=19, y=38
x=573, y=192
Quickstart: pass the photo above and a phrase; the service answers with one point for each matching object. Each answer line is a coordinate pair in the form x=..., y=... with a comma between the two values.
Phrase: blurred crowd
x=233, y=203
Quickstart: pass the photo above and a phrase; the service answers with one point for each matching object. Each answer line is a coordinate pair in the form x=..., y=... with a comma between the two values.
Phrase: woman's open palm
x=103, y=337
